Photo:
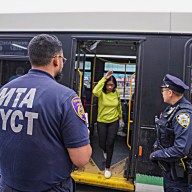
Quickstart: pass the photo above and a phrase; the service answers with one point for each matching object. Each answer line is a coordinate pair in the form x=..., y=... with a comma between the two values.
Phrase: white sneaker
x=107, y=174
x=104, y=155
x=121, y=133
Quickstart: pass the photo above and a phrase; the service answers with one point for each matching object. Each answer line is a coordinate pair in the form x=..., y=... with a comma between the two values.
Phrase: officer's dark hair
x=42, y=48
x=112, y=78
x=177, y=93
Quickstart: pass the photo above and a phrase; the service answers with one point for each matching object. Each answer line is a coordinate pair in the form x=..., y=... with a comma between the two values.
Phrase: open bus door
x=95, y=55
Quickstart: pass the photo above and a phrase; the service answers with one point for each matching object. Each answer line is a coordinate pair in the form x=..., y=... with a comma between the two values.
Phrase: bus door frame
x=139, y=40
x=77, y=73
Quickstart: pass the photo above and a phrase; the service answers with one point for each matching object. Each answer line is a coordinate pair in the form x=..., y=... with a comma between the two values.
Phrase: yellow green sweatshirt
x=109, y=105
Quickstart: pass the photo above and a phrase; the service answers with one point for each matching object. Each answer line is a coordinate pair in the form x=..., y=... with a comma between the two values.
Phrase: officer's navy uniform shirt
x=37, y=124
x=182, y=135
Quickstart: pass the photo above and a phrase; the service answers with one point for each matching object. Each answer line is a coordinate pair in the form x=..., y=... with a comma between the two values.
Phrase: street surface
x=139, y=188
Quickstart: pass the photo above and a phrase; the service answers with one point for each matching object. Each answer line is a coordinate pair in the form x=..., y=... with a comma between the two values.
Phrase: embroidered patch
x=78, y=108
x=183, y=119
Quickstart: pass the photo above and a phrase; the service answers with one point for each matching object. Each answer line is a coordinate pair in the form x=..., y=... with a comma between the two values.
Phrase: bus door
x=82, y=79
x=78, y=81
x=94, y=56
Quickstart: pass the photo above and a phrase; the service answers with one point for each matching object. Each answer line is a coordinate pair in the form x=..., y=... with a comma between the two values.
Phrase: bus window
x=123, y=74
x=9, y=69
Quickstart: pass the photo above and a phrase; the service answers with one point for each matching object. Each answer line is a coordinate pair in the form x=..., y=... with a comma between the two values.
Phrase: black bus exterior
x=153, y=51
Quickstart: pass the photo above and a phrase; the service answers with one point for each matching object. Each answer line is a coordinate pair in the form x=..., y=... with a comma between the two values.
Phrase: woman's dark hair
x=112, y=78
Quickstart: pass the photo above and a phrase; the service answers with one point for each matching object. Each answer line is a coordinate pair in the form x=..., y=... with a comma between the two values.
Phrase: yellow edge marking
x=100, y=180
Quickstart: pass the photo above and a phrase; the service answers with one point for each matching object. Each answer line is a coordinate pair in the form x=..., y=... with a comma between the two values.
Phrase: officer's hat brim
x=174, y=84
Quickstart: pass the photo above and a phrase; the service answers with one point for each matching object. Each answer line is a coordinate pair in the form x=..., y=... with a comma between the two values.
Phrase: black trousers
x=107, y=133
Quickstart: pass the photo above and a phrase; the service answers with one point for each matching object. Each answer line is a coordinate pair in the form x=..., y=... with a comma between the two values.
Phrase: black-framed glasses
x=64, y=59
x=163, y=90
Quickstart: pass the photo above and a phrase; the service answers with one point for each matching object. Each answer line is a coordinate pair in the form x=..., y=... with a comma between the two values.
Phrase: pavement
x=148, y=188
x=139, y=188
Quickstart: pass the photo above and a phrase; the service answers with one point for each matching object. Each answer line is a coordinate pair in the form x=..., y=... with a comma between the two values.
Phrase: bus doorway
x=93, y=58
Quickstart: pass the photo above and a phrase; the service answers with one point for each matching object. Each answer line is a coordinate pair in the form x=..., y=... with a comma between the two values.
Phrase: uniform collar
x=179, y=101
x=171, y=107
x=40, y=72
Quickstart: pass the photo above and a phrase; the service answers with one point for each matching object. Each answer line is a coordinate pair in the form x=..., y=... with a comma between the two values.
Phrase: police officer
x=174, y=136
x=43, y=132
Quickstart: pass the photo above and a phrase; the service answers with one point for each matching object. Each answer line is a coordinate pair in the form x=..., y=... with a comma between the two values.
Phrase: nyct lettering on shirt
x=17, y=98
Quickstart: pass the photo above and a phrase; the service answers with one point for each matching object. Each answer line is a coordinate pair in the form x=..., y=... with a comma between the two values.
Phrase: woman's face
x=110, y=86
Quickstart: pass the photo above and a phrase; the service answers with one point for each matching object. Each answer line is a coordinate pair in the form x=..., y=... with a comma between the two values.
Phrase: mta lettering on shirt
x=12, y=97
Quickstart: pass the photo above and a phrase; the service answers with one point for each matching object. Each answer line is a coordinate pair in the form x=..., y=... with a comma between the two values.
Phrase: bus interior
x=93, y=58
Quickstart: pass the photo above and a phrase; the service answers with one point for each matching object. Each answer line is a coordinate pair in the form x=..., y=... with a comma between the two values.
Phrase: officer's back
x=42, y=130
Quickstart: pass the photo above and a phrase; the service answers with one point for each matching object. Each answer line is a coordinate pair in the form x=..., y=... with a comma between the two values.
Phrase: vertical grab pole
x=129, y=112
x=92, y=86
x=124, y=80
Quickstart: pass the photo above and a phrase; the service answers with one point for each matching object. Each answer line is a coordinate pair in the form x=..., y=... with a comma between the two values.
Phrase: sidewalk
x=148, y=188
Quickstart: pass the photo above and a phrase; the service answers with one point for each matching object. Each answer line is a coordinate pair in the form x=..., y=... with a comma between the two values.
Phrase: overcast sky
x=36, y=6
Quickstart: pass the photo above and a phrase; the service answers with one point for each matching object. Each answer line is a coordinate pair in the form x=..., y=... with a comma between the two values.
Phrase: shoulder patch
x=78, y=108
x=183, y=119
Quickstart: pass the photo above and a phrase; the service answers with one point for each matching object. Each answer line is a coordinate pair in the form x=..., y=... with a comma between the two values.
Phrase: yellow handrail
x=80, y=81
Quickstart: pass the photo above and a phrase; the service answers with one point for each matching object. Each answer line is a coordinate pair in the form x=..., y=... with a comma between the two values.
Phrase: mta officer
x=43, y=131
x=174, y=137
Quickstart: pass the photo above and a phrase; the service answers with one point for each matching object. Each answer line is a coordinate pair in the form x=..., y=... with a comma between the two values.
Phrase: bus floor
x=121, y=151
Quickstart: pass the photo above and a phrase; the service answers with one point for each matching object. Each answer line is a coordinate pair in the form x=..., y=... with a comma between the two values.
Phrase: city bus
x=140, y=52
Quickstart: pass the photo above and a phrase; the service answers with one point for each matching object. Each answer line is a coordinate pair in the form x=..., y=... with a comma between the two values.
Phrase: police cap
x=174, y=84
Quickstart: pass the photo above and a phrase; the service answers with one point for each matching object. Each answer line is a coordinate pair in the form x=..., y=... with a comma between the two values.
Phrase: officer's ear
x=171, y=92
x=55, y=61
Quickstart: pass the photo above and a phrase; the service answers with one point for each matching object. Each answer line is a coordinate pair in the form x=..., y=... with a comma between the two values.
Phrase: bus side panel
x=155, y=66
x=162, y=55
